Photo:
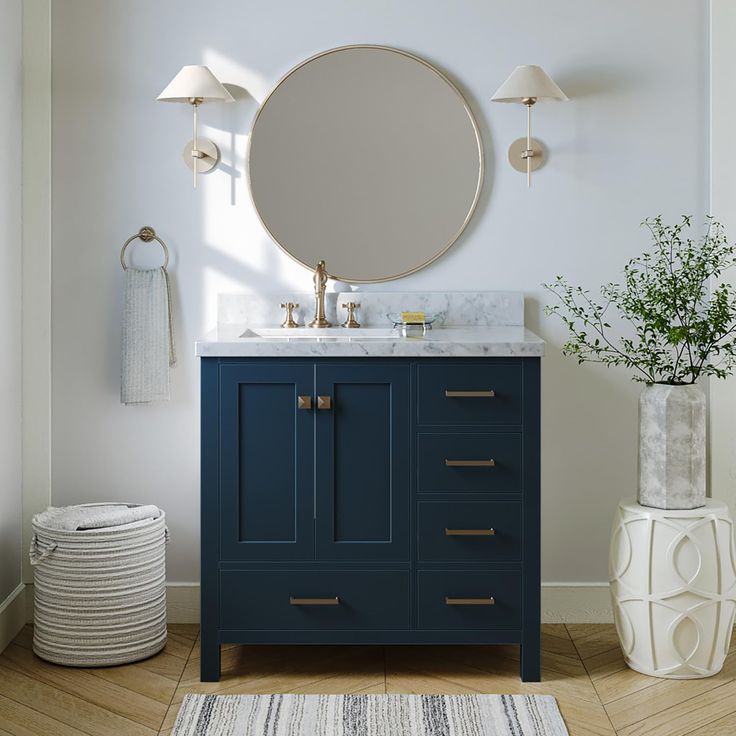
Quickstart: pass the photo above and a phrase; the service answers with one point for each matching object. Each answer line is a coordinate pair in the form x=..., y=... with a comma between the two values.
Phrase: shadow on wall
x=234, y=119
x=239, y=255
x=582, y=78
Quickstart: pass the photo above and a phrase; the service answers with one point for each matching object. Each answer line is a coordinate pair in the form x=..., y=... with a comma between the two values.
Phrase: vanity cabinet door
x=362, y=455
x=266, y=462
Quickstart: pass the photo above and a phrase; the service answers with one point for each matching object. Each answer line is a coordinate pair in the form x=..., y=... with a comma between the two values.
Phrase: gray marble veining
x=461, y=308
x=229, y=341
x=475, y=324
x=672, y=447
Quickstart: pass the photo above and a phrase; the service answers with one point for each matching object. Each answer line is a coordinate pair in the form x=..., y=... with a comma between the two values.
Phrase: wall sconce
x=195, y=85
x=527, y=84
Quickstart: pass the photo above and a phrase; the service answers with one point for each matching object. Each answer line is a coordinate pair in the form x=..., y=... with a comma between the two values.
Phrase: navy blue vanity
x=362, y=485
x=370, y=500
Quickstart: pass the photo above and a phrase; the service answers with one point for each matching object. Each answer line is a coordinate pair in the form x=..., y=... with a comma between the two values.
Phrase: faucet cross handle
x=351, y=321
x=289, y=307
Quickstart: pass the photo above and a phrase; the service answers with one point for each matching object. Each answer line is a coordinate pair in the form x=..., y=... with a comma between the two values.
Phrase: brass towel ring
x=146, y=234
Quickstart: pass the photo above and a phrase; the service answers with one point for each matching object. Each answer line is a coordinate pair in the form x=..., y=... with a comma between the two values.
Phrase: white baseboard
x=580, y=603
x=12, y=615
x=576, y=603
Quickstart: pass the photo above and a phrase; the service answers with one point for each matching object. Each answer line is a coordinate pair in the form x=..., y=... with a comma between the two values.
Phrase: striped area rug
x=369, y=715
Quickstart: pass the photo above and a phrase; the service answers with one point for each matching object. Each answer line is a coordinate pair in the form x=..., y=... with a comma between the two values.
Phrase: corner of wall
x=36, y=281
x=722, y=408
x=12, y=616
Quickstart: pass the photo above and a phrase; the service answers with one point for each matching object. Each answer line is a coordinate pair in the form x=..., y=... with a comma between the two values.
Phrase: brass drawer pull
x=470, y=532
x=470, y=463
x=470, y=394
x=470, y=601
x=314, y=601
x=324, y=402
x=303, y=402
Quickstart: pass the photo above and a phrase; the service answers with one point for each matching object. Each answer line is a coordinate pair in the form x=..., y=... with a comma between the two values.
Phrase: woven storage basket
x=100, y=594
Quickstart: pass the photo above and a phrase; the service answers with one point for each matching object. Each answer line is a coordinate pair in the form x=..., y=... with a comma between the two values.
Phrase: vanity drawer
x=469, y=463
x=479, y=599
x=469, y=394
x=469, y=531
x=325, y=599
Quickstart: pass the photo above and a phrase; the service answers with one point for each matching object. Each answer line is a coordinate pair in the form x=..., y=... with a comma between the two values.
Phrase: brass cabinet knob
x=324, y=402
x=303, y=402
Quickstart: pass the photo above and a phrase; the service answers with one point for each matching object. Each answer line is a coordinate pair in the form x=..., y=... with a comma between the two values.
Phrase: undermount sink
x=328, y=333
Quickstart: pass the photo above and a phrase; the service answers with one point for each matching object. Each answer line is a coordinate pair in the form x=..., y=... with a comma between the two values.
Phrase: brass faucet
x=320, y=282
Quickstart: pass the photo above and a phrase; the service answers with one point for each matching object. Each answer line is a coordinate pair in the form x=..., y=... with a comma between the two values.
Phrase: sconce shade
x=195, y=82
x=528, y=82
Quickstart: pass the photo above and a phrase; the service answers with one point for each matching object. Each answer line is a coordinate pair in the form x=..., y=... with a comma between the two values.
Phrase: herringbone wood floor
x=582, y=668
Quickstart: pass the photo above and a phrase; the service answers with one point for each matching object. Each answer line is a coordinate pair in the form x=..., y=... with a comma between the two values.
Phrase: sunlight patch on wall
x=240, y=256
x=214, y=282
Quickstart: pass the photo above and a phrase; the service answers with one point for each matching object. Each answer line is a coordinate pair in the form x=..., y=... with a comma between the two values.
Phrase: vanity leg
x=531, y=659
x=209, y=665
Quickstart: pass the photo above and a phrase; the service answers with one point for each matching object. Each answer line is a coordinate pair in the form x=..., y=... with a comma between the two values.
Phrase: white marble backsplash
x=265, y=310
x=461, y=308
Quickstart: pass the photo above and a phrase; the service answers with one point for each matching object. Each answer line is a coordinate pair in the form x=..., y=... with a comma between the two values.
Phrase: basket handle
x=35, y=557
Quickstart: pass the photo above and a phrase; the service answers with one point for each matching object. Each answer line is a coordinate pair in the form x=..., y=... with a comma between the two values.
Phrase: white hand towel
x=148, y=337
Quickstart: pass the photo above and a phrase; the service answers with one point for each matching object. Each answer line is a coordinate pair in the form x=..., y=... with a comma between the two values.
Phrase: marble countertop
x=471, y=342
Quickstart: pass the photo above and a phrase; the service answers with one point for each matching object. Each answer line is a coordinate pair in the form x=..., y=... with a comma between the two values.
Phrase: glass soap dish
x=414, y=328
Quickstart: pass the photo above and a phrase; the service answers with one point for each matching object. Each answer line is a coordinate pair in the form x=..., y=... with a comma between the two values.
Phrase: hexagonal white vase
x=672, y=447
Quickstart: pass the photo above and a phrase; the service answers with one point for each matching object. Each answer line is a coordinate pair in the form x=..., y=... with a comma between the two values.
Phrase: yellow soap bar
x=412, y=318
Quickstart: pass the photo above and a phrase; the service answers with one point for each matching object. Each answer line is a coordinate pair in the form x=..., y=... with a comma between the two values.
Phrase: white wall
x=723, y=196
x=632, y=143
x=10, y=296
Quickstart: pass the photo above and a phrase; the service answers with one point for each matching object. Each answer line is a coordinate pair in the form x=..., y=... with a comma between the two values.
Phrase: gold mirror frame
x=481, y=164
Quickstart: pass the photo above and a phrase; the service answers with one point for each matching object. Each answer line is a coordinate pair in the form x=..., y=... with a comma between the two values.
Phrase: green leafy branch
x=684, y=328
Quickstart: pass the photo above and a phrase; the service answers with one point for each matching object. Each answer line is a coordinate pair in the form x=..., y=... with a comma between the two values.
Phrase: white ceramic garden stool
x=673, y=588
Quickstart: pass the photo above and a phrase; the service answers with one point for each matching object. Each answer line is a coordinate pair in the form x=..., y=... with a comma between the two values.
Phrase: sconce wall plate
x=517, y=159
x=208, y=161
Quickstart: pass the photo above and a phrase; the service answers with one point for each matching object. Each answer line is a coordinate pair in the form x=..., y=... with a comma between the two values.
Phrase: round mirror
x=368, y=158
